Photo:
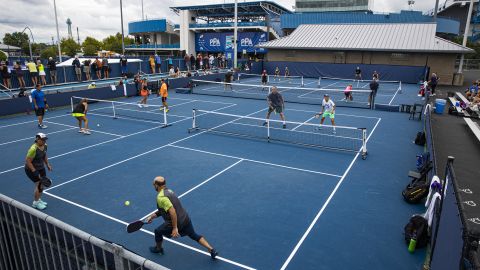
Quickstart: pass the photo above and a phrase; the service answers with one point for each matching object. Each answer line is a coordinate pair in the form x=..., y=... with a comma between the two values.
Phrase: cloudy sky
x=100, y=18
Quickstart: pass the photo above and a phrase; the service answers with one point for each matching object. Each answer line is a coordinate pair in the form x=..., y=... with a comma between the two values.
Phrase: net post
x=268, y=78
x=364, y=143
x=194, y=117
x=319, y=81
x=301, y=79
x=268, y=130
x=165, y=123
x=71, y=103
x=113, y=108
x=400, y=87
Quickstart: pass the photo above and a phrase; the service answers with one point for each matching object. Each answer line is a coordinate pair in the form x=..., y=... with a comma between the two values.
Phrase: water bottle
x=413, y=242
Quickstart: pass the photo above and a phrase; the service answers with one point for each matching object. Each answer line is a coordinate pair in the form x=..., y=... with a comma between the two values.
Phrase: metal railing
x=469, y=64
x=30, y=239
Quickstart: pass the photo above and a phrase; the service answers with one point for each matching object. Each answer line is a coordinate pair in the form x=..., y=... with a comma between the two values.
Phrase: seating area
x=473, y=126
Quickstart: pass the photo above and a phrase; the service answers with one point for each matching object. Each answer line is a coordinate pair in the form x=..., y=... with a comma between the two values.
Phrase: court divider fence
x=30, y=239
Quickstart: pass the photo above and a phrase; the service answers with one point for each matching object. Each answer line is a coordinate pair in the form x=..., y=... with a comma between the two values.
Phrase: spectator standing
x=186, y=59
x=5, y=74
x=41, y=72
x=192, y=62
x=52, y=66
x=86, y=69
x=19, y=72
x=124, y=65
x=170, y=61
x=433, y=83
x=224, y=61
x=78, y=68
x=151, y=60
x=98, y=67
x=32, y=68
x=105, y=67
x=205, y=62
x=158, y=63
x=211, y=59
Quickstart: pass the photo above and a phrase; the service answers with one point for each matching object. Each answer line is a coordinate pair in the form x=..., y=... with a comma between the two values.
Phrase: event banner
x=223, y=42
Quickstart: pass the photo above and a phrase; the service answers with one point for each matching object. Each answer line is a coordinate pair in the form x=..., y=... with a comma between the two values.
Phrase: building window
x=400, y=56
x=290, y=53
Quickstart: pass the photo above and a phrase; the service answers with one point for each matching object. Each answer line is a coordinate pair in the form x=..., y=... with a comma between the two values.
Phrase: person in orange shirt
x=164, y=94
x=144, y=93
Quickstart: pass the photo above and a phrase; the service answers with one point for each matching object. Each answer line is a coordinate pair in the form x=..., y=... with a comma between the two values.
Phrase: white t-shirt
x=328, y=105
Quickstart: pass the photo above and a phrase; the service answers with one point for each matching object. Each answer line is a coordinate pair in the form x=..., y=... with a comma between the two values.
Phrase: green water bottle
x=413, y=242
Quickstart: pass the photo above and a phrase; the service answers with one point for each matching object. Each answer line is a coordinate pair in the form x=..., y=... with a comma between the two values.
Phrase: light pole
x=465, y=35
x=30, y=39
x=58, y=32
x=121, y=21
x=235, y=35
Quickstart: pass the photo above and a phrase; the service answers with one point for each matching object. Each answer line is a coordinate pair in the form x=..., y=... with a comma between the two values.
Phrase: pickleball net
x=351, y=139
x=360, y=98
x=124, y=110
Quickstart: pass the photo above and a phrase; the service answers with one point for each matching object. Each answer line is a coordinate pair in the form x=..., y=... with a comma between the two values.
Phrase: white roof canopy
x=394, y=37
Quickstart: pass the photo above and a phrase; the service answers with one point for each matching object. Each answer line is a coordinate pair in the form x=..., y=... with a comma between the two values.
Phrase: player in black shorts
x=275, y=104
x=35, y=169
x=264, y=79
x=228, y=81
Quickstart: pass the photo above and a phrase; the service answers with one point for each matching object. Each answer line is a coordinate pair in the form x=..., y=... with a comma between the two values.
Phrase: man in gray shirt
x=105, y=67
x=275, y=104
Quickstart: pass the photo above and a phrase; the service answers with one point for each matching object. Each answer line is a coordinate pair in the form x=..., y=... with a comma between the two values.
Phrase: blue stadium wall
x=292, y=21
x=150, y=26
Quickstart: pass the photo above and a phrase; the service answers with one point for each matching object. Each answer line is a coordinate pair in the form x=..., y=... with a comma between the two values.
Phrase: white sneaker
x=81, y=131
x=140, y=105
x=42, y=126
x=87, y=132
x=38, y=205
x=42, y=202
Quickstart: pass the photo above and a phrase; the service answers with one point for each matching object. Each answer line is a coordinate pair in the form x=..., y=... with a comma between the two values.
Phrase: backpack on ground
x=417, y=227
x=416, y=190
x=420, y=138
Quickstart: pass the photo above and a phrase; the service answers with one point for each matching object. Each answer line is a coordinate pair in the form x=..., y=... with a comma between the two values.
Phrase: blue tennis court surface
x=261, y=205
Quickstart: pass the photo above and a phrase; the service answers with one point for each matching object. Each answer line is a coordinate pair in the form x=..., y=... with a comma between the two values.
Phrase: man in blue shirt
x=158, y=63
x=39, y=102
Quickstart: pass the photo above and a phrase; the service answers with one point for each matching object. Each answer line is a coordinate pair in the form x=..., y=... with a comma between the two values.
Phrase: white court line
x=256, y=161
x=351, y=115
x=31, y=138
x=65, y=125
x=199, y=185
x=307, y=232
x=32, y=121
x=126, y=118
x=323, y=87
x=112, y=140
x=146, y=231
x=306, y=121
x=390, y=103
x=143, y=154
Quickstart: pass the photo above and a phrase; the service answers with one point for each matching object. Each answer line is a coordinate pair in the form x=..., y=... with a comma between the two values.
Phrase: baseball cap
x=42, y=136
x=326, y=95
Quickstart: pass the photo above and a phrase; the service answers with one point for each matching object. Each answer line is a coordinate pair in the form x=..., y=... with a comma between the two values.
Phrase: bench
x=461, y=97
x=459, y=109
x=474, y=127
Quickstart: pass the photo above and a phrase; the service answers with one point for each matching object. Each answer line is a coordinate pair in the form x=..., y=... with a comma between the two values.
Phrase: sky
x=101, y=18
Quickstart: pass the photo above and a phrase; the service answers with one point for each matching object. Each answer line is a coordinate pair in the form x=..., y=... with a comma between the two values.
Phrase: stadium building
x=209, y=28
x=332, y=5
x=153, y=36
x=458, y=10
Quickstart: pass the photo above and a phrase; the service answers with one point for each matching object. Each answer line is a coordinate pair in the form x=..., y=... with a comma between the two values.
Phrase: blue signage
x=223, y=42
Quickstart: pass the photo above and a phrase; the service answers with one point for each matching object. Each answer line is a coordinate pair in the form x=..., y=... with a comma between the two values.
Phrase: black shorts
x=164, y=99
x=166, y=230
x=40, y=112
x=33, y=74
x=105, y=68
x=32, y=176
x=277, y=109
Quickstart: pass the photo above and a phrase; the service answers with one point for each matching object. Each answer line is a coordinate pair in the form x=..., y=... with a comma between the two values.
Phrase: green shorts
x=278, y=109
x=78, y=114
x=329, y=114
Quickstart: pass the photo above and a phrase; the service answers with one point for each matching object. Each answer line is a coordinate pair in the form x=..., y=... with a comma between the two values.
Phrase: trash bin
x=440, y=105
